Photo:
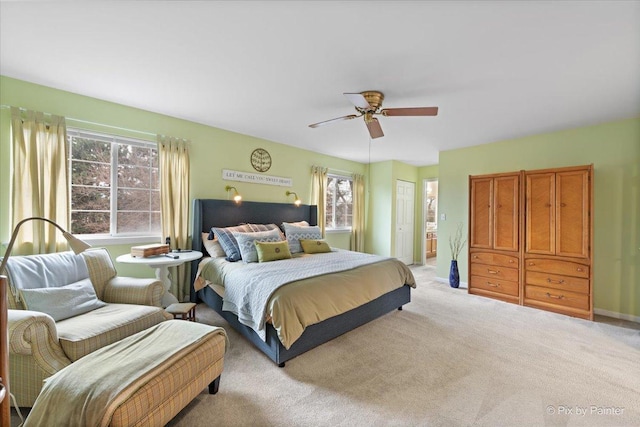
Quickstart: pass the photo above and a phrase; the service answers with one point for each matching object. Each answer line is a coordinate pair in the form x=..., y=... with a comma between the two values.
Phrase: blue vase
x=454, y=275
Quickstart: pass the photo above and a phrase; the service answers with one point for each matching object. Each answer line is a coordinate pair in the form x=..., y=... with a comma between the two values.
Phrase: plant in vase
x=456, y=243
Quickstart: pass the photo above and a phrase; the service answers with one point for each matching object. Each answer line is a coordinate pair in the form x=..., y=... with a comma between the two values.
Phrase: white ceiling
x=496, y=69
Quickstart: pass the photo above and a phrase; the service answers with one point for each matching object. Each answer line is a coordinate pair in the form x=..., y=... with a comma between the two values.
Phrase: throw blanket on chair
x=87, y=392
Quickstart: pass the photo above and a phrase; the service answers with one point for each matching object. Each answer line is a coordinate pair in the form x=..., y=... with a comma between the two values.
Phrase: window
x=339, y=209
x=115, y=185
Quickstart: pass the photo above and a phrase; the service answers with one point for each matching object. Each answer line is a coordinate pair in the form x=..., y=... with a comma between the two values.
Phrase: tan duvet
x=299, y=304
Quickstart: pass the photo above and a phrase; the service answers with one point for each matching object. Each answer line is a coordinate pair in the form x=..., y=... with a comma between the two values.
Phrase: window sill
x=338, y=230
x=121, y=240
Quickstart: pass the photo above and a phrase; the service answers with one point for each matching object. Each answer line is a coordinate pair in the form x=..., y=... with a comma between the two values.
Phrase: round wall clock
x=260, y=160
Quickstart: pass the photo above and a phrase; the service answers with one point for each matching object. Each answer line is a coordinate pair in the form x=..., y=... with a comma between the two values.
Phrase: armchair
x=40, y=346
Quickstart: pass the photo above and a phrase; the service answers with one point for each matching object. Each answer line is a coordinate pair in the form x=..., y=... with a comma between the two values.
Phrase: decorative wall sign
x=256, y=178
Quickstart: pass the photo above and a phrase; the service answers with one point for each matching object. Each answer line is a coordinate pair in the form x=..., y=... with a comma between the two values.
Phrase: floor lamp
x=76, y=246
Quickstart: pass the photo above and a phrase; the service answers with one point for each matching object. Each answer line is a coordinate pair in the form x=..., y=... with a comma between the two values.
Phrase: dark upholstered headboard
x=209, y=213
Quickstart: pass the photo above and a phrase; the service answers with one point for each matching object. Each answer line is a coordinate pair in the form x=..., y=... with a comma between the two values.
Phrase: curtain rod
x=340, y=171
x=330, y=169
x=90, y=123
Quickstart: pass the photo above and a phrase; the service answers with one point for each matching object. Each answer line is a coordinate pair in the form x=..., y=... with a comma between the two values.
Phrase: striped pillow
x=228, y=241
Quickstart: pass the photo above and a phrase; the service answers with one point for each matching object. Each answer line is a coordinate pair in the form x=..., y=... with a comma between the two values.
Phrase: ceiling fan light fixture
x=368, y=104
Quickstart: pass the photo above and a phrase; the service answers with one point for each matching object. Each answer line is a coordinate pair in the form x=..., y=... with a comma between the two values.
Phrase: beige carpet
x=447, y=359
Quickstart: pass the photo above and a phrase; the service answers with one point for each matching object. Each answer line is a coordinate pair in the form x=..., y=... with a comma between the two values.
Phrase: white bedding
x=248, y=289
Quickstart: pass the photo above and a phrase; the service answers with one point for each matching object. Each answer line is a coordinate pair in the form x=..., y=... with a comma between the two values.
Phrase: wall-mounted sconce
x=236, y=196
x=297, y=201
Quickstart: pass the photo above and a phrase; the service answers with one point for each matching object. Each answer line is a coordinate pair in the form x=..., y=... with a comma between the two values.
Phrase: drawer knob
x=549, y=280
x=532, y=263
x=492, y=271
x=579, y=269
x=493, y=285
x=475, y=257
x=554, y=296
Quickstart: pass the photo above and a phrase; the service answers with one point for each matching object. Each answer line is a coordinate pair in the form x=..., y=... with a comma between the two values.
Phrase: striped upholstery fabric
x=129, y=290
x=39, y=347
x=101, y=268
x=84, y=334
x=34, y=353
x=12, y=304
x=160, y=399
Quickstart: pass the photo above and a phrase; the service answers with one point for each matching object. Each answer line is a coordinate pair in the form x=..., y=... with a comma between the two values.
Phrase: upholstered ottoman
x=145, y=379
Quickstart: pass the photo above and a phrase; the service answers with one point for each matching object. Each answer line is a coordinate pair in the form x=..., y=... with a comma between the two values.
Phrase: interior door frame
x=423, y=237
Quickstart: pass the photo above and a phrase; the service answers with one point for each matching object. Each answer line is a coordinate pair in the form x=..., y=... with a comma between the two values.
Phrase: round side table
x=161, y=264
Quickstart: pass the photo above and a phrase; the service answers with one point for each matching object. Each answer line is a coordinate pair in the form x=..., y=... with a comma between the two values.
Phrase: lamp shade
x=76, y=245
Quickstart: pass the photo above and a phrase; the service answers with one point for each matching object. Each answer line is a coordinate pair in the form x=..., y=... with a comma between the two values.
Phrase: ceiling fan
x=368, y=105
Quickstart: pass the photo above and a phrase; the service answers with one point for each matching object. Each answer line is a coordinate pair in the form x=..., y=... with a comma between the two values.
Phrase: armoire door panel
x=505, y=206
x=531, y=236
x=540, y=213
x=572, y=210
x=481, y=223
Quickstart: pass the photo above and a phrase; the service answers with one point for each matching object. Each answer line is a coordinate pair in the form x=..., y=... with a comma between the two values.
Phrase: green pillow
x=272, y=251
x=312, y=246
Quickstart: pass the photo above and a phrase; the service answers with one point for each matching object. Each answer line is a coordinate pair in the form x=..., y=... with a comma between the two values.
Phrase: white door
x=405, y=200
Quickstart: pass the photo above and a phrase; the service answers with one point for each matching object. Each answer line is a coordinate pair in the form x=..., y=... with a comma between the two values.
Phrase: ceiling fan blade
x=338, y=119
x=417, y=111
x=358, y=100
x=374, y=129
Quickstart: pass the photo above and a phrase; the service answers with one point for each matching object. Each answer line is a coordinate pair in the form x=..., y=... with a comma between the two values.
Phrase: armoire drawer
x=491, y=284
x=494, y=271
x=557, y=267
x=557, y=297
x=495, y=259
x=556, y=281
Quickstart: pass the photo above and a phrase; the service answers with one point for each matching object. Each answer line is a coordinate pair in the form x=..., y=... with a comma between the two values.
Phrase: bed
x=208, y=213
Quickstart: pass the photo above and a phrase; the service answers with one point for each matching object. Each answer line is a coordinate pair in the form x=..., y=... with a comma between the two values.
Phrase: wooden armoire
x=530, y=238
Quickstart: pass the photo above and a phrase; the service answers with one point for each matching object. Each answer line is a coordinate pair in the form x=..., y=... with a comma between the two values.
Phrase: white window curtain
x=319, y=193
x=358, y=225
x=174, y=205
x=40, y=180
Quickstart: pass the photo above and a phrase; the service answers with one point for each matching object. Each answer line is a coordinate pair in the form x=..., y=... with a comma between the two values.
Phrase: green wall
x=378, y=234
x=614, y=149
x=211, y=151
x=382, y=237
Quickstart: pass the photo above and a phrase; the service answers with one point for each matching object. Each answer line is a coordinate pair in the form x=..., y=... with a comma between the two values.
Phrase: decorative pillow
x=314, y=246
x=272, y=251
x=228, y=241
x=213, y=247
x=297, y=224
x=295, y=233
x=64, y=301
x=261, y=227
x=264, y=227
x=247, y=246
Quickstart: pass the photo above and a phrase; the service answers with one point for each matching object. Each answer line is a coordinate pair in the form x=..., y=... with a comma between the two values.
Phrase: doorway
x=430, y=221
